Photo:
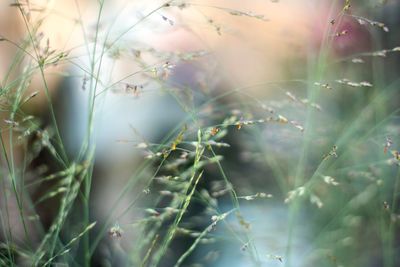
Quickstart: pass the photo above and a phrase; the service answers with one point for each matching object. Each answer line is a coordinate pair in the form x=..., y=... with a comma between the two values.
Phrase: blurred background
x=296, y=103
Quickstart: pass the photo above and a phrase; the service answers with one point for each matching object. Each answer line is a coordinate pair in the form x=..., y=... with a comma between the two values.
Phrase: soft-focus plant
x=224, y=167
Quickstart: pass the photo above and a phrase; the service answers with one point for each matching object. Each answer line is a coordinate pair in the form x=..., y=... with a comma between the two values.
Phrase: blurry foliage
x=321, y=146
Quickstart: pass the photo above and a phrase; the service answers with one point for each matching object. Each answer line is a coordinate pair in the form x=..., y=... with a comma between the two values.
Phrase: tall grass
x=322, y=149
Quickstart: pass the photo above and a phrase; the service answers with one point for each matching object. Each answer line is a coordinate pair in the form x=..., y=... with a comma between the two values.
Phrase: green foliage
x=323, y=148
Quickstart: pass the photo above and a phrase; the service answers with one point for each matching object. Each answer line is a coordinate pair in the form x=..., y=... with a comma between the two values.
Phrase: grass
x=321, y=149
